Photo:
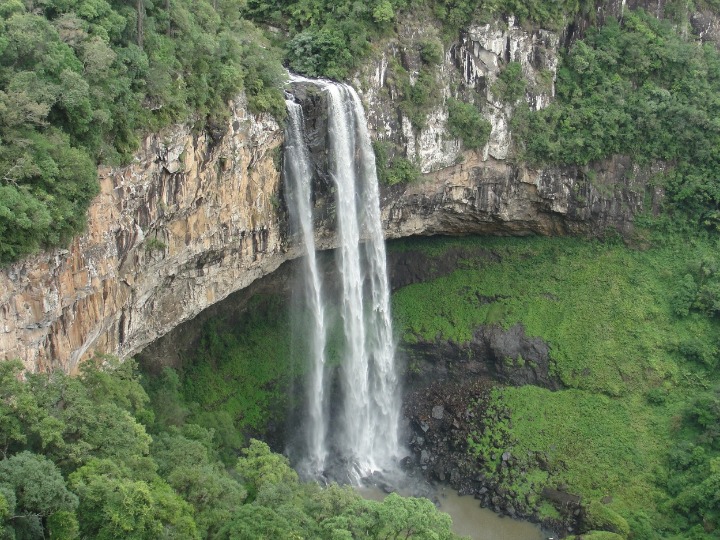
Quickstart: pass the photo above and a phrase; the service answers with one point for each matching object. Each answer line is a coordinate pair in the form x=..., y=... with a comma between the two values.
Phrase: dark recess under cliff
x=442, y=379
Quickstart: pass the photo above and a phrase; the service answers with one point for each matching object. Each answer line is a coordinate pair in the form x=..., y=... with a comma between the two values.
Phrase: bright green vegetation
x=416, y=98
x=395, y=170
x=87, y=457
x=333, y=37
x=466, y=123
x=81, y=80
x=510, y=84
x=637, y=352
x=456, y=14
x=328, y=37
x=236, y=381
x=638, y=89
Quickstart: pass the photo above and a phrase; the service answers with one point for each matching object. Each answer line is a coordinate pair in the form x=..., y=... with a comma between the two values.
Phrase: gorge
x=59, y=306
x=547, y=328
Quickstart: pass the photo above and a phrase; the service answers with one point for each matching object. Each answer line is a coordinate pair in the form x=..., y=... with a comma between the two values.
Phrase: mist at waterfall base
x=346, y=423
x=347, y=418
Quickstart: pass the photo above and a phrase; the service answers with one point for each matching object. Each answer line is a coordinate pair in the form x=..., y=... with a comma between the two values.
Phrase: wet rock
x=505, y=355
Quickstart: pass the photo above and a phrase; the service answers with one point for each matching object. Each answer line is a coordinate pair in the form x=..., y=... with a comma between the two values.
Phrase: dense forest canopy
x=82, y=81
x=87, y=457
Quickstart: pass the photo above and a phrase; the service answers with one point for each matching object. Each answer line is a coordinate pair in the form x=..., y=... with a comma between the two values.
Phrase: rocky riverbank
x=444, y=417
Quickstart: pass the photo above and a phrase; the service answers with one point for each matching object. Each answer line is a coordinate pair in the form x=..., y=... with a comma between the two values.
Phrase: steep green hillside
x=634, y=337
x=640, y=88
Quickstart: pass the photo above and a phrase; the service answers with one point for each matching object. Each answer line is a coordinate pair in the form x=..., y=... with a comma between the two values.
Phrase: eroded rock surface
x=192, y=219
x=507, y=356
x=188, y=222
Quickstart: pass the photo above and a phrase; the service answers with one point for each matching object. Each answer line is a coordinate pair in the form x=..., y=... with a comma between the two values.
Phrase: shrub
x=396, y=170
x=510, y=84
x=431, y=52
x=684, y=296
x=599, y=517
x=316, y=53
x=637, y=88
x=467, y=124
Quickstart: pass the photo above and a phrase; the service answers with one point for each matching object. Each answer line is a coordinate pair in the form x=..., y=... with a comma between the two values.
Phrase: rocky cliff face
x=192, y=220
x=187, y=223
x=484, y=191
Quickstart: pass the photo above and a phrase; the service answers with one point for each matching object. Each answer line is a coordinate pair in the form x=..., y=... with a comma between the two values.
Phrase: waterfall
x=365, y=415
x=298, y=176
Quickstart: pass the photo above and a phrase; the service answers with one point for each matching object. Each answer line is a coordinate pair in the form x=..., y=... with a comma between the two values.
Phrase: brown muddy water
x=472, y=521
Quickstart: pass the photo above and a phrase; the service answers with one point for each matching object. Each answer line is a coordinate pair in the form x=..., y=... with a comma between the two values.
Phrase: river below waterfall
x=471, y=520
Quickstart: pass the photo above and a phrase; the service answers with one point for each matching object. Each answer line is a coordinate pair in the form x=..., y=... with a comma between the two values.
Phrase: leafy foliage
x=467, y=124
x=396, y=170
x=174, y=487
x=324, y=52
x=37, y=490
x=510, y=84
x=80, y=81
x=329, y=38
x=416, y=97
x=695, y=465
x=238, y=377
x=456, y=14
x=640, y=379
x=637, y=88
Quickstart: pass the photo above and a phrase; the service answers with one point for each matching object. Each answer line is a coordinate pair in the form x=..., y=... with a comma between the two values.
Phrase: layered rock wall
x=187, y=223
x=192, y=220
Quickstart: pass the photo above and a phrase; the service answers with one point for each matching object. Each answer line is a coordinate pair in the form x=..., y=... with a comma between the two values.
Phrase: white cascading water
x=365, y=433
x=298, y=178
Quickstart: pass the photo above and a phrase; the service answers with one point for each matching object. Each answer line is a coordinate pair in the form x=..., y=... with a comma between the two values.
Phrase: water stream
x=298, y=175
x=365, y=414
x=352, y=413
x=469, y=519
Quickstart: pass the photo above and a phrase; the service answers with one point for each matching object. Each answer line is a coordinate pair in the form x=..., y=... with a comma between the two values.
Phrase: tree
x=259, y=466
x=34, y=490
x=466, y=123
x=184, y=460
x=510, y=84
x=113, y=505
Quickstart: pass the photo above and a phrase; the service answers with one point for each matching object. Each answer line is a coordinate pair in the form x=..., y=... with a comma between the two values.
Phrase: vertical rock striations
x=192, y=219
x=188, y=222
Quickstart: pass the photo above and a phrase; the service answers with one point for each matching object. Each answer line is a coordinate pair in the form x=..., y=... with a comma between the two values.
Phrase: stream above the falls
x=469, y=519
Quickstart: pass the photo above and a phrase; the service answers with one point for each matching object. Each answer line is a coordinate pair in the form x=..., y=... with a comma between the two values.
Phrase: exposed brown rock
x=190, y=221
x=183, y=226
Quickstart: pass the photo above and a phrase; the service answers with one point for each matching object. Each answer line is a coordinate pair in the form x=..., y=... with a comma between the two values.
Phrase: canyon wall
x=188, y=222
x=192, y=219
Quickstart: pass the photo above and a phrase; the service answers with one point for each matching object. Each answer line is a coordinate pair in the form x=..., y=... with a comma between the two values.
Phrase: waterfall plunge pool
x=469, y=519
